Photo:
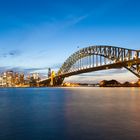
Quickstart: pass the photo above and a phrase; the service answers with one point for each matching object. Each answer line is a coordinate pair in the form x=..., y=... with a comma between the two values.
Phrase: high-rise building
x=49, y=72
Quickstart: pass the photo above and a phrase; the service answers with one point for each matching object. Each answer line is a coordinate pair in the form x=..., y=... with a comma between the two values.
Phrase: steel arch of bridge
x=98, y=58
x=118, y=57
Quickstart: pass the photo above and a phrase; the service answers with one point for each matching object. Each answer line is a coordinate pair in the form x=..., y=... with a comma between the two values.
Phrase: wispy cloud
x=20, y=69
x=76, y=19
x=4, y=68
x=94, y=77
x=29, y=69
x=11, y=53
x=105, y=72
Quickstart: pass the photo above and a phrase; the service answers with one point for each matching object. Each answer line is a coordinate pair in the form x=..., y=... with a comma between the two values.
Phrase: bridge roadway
x=97, y=58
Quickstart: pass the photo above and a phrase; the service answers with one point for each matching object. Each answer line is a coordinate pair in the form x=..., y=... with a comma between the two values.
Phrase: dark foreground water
x=70, y=114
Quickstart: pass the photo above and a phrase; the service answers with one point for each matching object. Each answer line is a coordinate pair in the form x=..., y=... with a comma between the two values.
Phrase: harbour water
x=83, y=113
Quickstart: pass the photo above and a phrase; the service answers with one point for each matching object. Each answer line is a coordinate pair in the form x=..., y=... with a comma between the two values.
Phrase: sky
x=37, y=34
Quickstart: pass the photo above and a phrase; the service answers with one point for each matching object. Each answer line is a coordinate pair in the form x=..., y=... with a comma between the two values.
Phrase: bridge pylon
x=52, y=78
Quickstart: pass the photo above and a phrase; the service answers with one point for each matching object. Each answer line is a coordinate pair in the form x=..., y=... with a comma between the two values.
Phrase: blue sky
x=36, y=34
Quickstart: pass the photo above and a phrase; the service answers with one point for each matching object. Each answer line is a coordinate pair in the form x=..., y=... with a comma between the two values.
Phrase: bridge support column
x=58, y=81
x=52, y=78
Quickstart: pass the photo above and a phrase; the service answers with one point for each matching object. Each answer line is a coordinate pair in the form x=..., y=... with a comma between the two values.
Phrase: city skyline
x=35, y=35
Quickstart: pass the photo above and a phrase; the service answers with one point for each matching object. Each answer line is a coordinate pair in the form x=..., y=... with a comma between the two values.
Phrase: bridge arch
x=118, y=57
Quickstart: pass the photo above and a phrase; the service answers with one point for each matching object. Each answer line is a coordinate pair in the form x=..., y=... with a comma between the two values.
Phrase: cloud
x=58, y=25
x=94, y=77
x=11, y=53
x=76, y=20
x=26, y=70
x=104, y=72
x=4, y=68
x=19, y=69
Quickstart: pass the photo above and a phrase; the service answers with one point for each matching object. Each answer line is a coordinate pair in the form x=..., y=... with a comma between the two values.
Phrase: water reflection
x=70, y=113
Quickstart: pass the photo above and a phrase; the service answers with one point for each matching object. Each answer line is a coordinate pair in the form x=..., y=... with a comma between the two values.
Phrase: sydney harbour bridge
x=95, y=58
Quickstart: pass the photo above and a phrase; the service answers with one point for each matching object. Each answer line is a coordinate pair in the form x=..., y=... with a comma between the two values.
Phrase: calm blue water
x=70, y=114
